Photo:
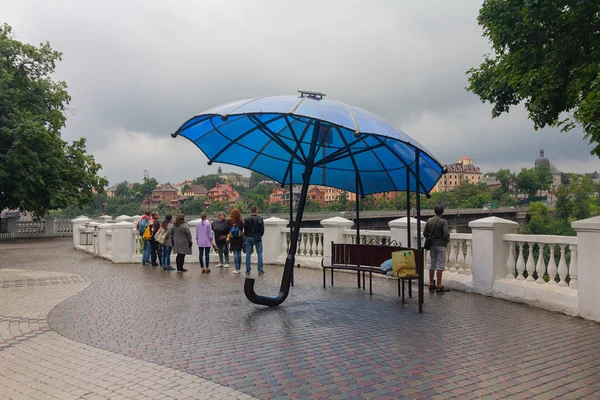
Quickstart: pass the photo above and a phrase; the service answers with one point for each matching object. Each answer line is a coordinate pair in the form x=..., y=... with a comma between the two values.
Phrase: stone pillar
x=103, y=219
x=11, y=226
x=125, y=218
x=50, y=227
x=273, y=239
x=399, y=231
x=588, y=265
x=76, y=224
x=195, y=254
x=103, y=239
x=334, y=232
x=123, y=242
x=490, y=251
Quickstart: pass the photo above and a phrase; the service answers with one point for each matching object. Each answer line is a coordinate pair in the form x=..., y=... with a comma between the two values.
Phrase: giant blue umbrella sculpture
x=310, y=140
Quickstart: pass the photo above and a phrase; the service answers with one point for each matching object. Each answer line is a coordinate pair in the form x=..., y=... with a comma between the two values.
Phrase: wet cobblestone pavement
x=333, y=343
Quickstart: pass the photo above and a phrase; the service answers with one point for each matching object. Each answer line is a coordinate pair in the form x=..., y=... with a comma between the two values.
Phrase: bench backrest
x=365, y=254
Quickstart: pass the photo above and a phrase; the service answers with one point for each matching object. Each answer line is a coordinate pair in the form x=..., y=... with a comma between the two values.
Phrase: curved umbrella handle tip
x=174, y=135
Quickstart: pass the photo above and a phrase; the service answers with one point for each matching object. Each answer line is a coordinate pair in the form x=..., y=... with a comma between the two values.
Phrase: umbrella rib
x=298, y=146
x=381, y=163
x=262, y=149
x=333, y=156
x=353, y=161
x=341, y=155
x=404, y=162
x=267, y=131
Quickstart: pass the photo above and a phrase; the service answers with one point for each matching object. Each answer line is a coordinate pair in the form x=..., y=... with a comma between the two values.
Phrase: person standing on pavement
x=236, y=238
x=167, y=246
x=221, y=229
x=436, y=229
x=182, y=241
x=254, y=229
x=145, y=244
x=204, y=238
x=155, y=248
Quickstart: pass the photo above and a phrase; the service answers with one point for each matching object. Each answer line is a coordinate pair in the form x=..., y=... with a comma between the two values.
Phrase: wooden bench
x=366, y=258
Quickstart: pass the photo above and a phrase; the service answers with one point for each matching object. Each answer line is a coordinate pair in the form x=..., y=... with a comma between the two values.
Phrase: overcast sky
x=136, y=70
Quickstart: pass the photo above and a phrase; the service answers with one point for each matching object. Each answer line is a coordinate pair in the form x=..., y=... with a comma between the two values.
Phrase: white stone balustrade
x=494, y=260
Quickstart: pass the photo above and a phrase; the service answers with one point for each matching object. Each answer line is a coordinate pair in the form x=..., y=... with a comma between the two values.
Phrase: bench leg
x=403, y=291
x=364, y=281
x=358, y=278
x=331, y=276
x=410, y=288
x=323, y=278
x=370, y=283
x=399, y=288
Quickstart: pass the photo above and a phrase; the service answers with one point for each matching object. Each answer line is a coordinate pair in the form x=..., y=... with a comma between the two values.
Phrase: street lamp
x=146, y=177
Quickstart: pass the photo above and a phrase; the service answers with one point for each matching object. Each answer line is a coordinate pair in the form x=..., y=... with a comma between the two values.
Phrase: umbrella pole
x=419, y=249
x=408, y=232
x=291, y=211
x=357, y=223
x=288, y=270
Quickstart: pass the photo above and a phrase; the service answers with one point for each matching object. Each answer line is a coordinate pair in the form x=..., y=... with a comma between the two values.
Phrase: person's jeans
x=156, y=251
x=237, y=259
x=166, y=256
x=223, y=250
x=252, y=242
x=146, y=252
x=204, y=252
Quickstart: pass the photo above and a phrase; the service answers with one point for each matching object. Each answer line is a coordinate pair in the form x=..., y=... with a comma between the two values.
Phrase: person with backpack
x=437, y=237
x=142, y=226
x=236, y=238
x=221, y=229
x=155, y=249
x=204, y=238
x=165, y=238
x=182, y=241
x=254, y=229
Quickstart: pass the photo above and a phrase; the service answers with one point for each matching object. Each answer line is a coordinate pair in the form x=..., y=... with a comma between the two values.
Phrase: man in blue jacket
x=254, y=229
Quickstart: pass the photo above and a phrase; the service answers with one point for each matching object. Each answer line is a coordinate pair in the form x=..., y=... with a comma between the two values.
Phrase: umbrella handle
x=284, y=290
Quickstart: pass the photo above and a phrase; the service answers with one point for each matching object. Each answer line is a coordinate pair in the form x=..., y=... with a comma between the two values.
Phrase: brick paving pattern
x=334, y=343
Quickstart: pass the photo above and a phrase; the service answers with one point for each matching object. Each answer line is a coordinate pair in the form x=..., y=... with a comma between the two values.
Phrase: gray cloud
x=137, y=69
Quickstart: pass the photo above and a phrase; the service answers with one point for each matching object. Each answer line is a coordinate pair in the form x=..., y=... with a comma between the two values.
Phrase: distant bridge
x=458, y=218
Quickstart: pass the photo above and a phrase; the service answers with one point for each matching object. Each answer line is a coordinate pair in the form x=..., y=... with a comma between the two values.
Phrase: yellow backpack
x=148, y=231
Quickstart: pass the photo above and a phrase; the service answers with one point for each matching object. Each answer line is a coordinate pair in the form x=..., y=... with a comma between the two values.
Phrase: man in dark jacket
x=436, y=228
x=254, y=229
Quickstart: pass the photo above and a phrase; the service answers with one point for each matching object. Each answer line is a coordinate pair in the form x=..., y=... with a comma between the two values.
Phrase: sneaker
x=220, y=266
x=261, y=272
x=226, y=266
x=182, y=270
x=236, y=271
x=441, y=289
x=169, y=268
x=247, y=272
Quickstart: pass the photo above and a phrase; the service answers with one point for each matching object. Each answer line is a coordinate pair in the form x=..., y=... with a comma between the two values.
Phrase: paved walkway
x=72, y=326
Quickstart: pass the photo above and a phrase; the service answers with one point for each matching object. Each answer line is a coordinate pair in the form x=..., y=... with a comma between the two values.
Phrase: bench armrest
x=326, y=261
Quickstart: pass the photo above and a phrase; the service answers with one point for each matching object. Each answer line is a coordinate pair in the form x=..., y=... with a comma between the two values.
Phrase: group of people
x=160, y=240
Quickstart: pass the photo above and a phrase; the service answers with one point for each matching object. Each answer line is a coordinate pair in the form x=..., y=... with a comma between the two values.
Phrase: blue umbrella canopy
x=350, y=145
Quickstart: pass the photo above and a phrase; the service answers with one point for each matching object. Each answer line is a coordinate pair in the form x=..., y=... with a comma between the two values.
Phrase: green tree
x=208, y=181
x=192, y=207
x=546, y=54
x=544, y=177
x=343, y=201
x=38, y=170
x=255, y=177
x=563, y=207
x=508, y=180
x=122, y=190
x=528, y=183
x=582, y=200
x=275, y=208
x=148, y=186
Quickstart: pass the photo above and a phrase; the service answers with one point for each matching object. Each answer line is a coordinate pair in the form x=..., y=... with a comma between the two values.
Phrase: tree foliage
x=547, y=55
x=38, y=170
x=208, y=181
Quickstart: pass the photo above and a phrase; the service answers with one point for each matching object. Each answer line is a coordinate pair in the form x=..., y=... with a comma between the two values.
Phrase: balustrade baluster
x=540, y=267
x=510, y=261
x=530, y=266
x=310, y=250
x=461, y=257
x=304, y=244
x=469, y=258
x=284, y=242
x=520, y=263
x=552, y=269
x=573, y=267
x=453, y=255
x=563, y=270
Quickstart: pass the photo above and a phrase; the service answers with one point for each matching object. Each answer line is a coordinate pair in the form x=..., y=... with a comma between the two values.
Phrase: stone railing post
x=103, y=239
x=123, y=242
x=11, y=226
x=103, y=219
x=272, y=239
x=50, y=227
x=334, y=232
x=588, y=267
x=399, y=231
x=195, y=254
x=489, y=251
x=76, y=224
x=125, y=218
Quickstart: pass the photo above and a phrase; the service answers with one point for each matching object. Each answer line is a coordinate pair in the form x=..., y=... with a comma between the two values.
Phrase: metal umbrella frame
x=324, y=142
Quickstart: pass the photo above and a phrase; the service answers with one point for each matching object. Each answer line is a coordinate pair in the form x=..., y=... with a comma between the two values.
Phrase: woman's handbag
x=160, y=235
